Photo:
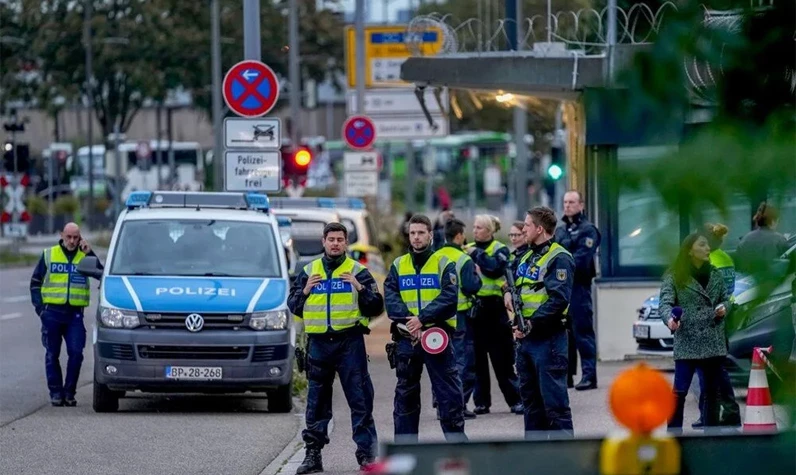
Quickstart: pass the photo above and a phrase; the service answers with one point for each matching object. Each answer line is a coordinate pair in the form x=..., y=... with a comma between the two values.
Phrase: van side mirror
x=89, y=266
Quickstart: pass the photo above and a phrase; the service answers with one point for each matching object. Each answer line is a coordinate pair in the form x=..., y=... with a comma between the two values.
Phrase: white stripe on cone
x=758, y=379
x=759, y=415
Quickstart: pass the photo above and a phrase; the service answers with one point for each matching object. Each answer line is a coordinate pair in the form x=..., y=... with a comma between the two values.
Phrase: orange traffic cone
x=759, y=409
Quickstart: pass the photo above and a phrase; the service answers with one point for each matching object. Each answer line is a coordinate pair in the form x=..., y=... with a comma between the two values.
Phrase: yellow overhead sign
x=385, y=50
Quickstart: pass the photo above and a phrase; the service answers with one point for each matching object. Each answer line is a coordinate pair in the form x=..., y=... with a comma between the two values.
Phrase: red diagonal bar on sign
x=250, y=89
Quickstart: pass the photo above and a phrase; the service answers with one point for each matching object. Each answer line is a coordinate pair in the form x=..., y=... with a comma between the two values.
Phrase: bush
x=101, y=205
x=67, y=205
x=37, y=205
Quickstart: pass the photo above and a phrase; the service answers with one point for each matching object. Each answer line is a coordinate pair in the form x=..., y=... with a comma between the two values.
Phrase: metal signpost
x=252, y=156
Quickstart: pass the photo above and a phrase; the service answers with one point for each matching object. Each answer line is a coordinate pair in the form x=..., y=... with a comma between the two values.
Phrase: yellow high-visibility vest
x=533, y=296
x=460, y=258
x=491, y=287
x=332, y=303
x=419, y=289
x=63, y=283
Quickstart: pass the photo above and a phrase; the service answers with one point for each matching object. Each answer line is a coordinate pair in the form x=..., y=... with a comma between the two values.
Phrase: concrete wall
x=616, y=308
x=191, y=125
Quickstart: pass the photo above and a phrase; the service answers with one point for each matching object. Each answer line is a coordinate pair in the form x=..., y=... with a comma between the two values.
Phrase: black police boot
x=365, y=460
x=468, y=414
x=481, y=410
x=312, y=462
x=70, y=401
x=518, y=409
x=586, y=384
x=56, y=401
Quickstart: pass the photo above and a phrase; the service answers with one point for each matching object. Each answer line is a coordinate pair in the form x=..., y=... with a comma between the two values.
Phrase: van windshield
x=196, y=248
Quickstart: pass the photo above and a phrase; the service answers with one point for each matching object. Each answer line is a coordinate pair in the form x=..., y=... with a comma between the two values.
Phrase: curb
x=291, y=456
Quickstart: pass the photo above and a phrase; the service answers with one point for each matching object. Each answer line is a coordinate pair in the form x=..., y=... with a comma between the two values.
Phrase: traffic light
x=296, y=164
x=556, y=169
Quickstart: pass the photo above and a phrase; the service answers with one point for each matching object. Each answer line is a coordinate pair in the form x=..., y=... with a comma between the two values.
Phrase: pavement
x=210, y=434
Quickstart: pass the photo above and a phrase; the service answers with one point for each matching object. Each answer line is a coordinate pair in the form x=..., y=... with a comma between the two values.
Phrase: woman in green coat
x=698, y=288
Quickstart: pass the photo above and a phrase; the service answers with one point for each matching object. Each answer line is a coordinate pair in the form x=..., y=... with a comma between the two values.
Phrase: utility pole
x=251, y=30
x=611, y=39
x=359, y=25
x=294, y=75
x=218, y=133
x=520, y=121
x=117, y=202
x=89, y=109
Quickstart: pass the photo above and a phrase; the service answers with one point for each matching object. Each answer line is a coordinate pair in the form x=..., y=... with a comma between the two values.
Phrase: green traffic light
x=555, y=172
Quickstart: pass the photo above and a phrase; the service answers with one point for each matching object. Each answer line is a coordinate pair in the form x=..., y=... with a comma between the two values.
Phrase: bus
x=143, y=174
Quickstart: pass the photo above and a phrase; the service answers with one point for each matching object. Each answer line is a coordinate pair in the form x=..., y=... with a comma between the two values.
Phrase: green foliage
x=67, y=205
x=36, y=205
x=144, y=49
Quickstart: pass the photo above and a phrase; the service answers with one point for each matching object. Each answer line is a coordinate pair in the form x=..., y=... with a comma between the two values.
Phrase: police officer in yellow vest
x=544, y=278
x=493, y=338
x=59, y=295
x=469, y=285
x=336, y=296
x=421, y=291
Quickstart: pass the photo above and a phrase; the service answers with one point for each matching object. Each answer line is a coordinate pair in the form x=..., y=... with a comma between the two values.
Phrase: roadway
x=206, y=434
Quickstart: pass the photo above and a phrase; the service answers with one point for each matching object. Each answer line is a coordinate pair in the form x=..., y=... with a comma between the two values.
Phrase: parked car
x=306, y=231
x=767, y=324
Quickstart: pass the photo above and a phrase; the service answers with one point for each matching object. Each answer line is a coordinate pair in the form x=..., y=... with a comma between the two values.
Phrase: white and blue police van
x=193, y=299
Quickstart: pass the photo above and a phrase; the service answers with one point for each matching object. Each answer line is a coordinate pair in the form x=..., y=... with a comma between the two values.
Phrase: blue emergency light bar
x=194, y=199
x=284, y=221
x=328, y=203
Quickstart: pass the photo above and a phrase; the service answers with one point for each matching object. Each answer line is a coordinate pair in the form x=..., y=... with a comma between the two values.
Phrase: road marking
x=16, y=299
x=10, y=316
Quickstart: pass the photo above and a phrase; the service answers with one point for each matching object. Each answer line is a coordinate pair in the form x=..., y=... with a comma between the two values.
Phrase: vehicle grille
x=164, y=352
x=269, y=353
x=177, y=321
x=116, y=351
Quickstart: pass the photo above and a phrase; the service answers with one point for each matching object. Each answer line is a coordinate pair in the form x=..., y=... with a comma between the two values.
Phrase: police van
x=193, y=299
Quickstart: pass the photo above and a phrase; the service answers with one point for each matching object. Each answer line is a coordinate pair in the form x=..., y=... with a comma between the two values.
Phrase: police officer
x=544, y=277
x=581, y=238
x=421, y=291
x=517, y=238
x=335, y=296
x=469, y=285
x=493, y=338
x=59, y=295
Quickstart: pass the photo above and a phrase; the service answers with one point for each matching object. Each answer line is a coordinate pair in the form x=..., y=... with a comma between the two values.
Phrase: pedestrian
x=469, y=285
x=60, y=294
x=582, y=239
x=405, y=231
x=518, y=244
x=545, y=278
x=759, y=247
x=730, y=412
x=698, y=288
x=439, y=230
x=421, y=291
x=336, y=296
x=493, y=340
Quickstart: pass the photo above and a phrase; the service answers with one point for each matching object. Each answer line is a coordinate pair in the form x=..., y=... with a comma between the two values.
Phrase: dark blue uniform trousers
x=445, y=386
x=582, y=315
x=542, y=366
x=345, y=355
x=69, y=327
x=464, y=347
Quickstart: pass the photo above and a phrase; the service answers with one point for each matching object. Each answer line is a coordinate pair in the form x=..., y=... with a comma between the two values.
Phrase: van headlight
x=268, y=320
x=116, y=318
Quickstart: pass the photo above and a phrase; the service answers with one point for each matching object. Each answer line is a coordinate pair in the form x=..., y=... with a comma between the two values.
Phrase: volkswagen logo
x=194, y=322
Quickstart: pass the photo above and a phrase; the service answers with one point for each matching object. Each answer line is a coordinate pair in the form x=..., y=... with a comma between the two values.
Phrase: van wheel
x=105, y=400
x=281, y=399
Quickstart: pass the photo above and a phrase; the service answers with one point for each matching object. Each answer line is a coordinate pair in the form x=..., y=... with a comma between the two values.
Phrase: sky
x=376, y=8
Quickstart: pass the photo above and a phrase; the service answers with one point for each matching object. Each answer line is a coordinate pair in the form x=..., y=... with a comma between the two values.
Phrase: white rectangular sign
x=257, y=134
x=415, y=127
x=252, y=171
x=15, y=229
x=361, y=161
x=386, y=71
x=397, y=101
x=361, y=184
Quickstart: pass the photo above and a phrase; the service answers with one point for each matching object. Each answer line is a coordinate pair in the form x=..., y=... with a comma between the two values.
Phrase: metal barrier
x=741, y=454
